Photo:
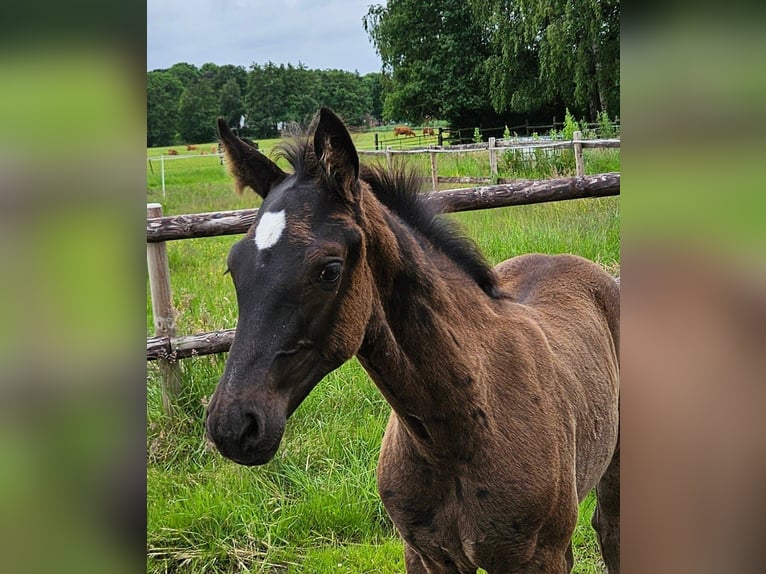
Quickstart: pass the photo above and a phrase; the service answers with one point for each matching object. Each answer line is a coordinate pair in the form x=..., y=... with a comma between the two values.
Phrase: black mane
x=399, y=191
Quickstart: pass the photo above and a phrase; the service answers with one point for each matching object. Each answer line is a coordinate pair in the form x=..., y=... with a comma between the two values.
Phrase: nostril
x=252, y=430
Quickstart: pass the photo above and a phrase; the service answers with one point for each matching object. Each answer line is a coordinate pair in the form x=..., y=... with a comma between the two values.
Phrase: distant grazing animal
x=503, y=381
x=427, y=131
x=403, y=130
x=215, y=148
x=191, y=147
x=172, y=152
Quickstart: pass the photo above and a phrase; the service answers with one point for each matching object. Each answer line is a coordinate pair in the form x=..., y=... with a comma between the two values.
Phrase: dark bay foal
x=503, y=381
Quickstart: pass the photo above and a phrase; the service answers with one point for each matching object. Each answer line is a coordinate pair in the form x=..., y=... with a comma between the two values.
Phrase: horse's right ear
x=249, y=167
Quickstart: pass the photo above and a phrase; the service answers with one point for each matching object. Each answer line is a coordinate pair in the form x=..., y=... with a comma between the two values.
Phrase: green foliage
x=186, y=100
x=185, y=73
x=198, y=109
x=506, y=133
x=476, y=136
x=547, y=53
x=283, y=94
x=570, y=126
x=163, y=90
x=605, y=125
x=232, y=107
x=540, y=163
x=431, y=51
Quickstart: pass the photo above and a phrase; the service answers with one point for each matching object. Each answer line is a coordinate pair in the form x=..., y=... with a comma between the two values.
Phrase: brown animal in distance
x=503, y=381
x=403, y=131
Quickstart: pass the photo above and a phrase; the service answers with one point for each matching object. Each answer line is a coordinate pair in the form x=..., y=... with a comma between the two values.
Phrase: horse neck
x=422, y=344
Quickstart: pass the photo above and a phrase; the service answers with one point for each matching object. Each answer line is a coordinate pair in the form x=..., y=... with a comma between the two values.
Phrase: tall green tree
x=300, y=98
x=560, y=52
x=346, y=93
x=163, y=93
x=197, y=110
x=432, y=53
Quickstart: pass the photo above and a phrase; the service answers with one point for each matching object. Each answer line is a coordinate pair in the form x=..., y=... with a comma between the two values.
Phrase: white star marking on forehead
x=269, y=229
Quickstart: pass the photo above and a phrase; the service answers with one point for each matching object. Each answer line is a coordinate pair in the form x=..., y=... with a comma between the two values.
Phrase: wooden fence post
x=440, y=137
x=579, y=164
x=434, y=175
x=492, y=158
x=389, y=159
x=162, y=311
x=162, y=169
x=376, y=141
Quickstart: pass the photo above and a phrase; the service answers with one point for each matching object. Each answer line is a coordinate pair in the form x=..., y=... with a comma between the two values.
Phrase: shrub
x=605, y=125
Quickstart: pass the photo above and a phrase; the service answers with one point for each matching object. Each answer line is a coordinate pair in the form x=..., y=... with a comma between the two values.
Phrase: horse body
x=502, y=382
x=504, y=410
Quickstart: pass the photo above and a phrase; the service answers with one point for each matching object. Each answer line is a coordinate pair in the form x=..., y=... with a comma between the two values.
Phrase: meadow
x=315, y=507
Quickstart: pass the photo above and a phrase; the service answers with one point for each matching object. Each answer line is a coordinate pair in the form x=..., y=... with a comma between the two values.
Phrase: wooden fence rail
x=503, y=195
x=159, y=229
x=174, y=348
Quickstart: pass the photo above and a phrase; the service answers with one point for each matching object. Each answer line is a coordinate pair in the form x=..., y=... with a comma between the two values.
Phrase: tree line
x=475, y=63
x=183, y=101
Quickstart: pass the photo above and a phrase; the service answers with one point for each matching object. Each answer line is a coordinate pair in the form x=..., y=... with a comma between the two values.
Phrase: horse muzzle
x=242, y=432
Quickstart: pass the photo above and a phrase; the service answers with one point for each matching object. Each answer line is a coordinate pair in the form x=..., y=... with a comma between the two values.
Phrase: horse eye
x=330, y=272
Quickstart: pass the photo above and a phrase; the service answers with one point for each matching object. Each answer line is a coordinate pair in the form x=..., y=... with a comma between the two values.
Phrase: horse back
x=563, y=287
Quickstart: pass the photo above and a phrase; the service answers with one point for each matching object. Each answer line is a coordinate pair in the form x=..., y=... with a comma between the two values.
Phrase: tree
x=187, y=74
x=374, y=86
x=198, y=109
x=264, y=100
x=432, y=52
x=232, y=107
x=565, y=53
x=163, y=92
x=346, y=94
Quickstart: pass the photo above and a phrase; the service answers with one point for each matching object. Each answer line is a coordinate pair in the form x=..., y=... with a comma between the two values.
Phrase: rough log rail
x=188, y=345
x=485, y=197
x=199, y=225
x=528, y=192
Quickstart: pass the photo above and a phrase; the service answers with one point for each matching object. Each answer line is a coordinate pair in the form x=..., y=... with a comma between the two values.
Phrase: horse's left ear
x=336, y=153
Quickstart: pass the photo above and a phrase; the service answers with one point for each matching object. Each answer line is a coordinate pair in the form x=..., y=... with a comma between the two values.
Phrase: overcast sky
x=321, y=34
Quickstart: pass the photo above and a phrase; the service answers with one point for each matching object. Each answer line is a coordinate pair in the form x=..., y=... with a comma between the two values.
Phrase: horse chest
x=446, y=528
x=453, y=519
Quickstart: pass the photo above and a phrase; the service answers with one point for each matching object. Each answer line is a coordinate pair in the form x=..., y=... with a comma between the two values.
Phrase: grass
x=315, y=507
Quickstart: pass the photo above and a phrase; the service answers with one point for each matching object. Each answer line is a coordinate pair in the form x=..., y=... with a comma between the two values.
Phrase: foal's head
x=302, y=284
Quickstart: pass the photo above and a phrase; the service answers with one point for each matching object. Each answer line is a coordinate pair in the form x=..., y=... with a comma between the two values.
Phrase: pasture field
x=314, y=508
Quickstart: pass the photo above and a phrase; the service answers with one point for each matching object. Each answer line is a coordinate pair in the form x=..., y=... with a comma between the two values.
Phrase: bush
x=605, y=125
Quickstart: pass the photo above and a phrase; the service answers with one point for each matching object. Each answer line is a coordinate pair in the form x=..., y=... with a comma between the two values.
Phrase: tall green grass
x=315, y=507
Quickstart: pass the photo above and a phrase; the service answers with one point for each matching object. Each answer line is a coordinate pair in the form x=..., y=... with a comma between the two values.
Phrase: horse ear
x=336, y=153
x=249, y=167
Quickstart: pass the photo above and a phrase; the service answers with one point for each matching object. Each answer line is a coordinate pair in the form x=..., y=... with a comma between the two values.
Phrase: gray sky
x=321, y=34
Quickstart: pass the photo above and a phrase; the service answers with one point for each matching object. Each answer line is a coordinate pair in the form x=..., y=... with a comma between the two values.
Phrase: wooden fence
x=493, y=146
